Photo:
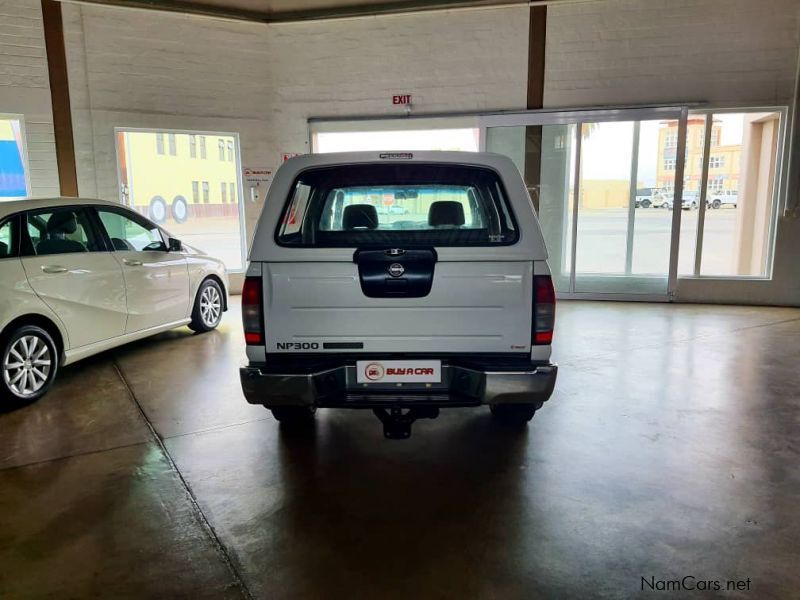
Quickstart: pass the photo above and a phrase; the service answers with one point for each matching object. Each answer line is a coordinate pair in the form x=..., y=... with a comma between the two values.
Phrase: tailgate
x=471, y=307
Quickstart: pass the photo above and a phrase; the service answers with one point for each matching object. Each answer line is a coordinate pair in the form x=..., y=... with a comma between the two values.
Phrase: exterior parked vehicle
x=81, y=276
x=648, y=197
x=723, y=198
x=690, y=201
x=451, y=306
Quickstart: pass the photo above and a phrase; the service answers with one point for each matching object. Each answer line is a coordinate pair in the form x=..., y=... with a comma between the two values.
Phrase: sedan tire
x=29, y=364
x=208, y=307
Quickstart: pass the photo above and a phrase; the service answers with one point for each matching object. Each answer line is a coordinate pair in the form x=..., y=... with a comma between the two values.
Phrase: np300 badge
x=396, y=269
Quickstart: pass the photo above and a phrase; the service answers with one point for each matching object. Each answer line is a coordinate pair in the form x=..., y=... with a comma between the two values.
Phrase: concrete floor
x=669, y=449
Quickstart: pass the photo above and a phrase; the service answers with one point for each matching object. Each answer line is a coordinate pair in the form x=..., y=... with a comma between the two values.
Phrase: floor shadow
x=395, y=518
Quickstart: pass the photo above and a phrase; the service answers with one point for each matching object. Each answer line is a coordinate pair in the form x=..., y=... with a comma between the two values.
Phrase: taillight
x=544, y=310
x=252, y=317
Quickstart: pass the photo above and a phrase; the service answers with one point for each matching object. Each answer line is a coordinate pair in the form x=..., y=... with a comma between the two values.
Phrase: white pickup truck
x=445, y=303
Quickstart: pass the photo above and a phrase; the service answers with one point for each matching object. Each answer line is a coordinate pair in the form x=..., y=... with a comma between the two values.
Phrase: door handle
x=54, y=269
x=132, y=262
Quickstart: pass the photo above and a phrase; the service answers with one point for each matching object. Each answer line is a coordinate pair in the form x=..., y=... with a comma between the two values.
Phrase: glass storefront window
x=13, y=179
x=182, y=191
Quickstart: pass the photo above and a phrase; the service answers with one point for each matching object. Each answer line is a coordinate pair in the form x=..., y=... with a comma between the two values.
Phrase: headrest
x=360, y=215
x=446, y=212
x=62, y=222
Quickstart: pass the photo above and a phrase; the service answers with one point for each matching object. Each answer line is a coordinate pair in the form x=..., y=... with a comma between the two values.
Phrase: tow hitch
x=397, y=421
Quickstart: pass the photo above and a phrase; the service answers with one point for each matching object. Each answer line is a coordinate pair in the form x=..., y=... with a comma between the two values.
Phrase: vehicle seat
x=446, y=214
x=3, y=249
x=360, y=216
x=60, y=224
x=122, y=245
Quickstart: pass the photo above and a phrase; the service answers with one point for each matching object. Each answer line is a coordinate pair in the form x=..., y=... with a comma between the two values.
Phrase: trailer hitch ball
x=397, y=421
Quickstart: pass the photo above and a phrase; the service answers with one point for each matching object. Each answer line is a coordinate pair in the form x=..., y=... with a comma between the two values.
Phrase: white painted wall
x=25, y=89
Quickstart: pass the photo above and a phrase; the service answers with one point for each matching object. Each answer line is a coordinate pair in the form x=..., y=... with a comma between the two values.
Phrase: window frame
x=26, y=167
x=237, y=183
x=779, y=191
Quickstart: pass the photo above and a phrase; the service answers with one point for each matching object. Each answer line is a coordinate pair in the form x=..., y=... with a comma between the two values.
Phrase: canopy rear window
x=397, y=204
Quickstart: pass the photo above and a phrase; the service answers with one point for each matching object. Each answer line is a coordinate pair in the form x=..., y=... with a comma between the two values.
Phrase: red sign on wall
x=402, y=99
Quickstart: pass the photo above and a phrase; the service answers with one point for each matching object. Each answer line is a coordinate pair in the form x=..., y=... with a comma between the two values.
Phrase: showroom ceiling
x=278, y=11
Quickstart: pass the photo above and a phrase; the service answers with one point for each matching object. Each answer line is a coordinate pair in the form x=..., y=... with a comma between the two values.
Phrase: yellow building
x=724, y=161
x=177, y=176
x=605, y=193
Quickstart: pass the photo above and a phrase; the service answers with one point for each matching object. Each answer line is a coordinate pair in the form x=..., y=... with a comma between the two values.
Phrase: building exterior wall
x=25, y=88
x=724, y=160
x=195, y=176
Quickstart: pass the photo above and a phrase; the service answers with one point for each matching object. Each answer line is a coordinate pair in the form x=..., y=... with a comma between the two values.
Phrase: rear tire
x=716, y=204
x=646, y=204
x=180, y=209
x=208, y=306
x=294, y=416
x=516, y=415
x=29, y=364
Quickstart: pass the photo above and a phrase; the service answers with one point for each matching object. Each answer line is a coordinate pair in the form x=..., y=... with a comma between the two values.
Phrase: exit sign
x=401, y=99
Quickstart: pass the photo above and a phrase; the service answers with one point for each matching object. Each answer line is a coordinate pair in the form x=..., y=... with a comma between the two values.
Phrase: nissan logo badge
x=396, y=269
x=395, y=252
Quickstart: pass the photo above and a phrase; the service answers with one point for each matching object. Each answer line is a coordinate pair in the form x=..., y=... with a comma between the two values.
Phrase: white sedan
x=81, y=276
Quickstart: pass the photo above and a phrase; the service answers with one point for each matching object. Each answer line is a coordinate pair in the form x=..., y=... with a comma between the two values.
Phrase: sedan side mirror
x=175, y=245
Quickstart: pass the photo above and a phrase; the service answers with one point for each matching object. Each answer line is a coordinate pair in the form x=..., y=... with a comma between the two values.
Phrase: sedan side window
x=129, y=234
x=62, y=231
x=7, y=242
x=6, y=245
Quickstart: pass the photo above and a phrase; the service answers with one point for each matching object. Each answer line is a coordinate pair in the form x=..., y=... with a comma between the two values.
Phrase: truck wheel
x=645, y=203
x=30, y=362
x=294, y=415
x=513, y=414
x=158, y=210
x=208, y=305
x=716, y=203
x=180, y=210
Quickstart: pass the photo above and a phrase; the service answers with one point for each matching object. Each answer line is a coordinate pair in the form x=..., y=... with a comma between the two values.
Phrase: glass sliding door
x=552, y=191
x=603, y=203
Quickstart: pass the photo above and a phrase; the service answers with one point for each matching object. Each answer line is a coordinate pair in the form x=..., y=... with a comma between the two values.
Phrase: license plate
x=399, y=371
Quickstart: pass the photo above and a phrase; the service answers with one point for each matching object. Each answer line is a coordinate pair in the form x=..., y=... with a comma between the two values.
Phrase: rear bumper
x=337, y=387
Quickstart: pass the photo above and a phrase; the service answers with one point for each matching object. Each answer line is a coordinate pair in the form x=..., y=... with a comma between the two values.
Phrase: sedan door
x=69, y=267
x=156, y=281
